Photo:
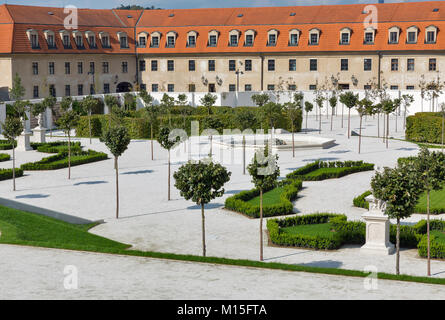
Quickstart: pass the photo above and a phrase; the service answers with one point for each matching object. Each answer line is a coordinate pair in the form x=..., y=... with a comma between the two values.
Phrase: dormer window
x=411, y=35
x=234, y=38
x=249, y=38
x=78, y=38
x=66, y=41
x=294, y=36
x=345, y=36
x=272, y=38
x=91, y=38
x=142, y=39
x=50, y=39
x=171, y=39
x=123, y=40
x=104, y=39
x=394, y=33
x=33, y=37
x=431, y=34
x=191, y=39
x=155, y=40
x=213, y=38
x=369, y=36
x=314, y=37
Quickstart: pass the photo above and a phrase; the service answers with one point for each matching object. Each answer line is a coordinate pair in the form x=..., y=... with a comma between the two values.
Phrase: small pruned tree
x=117, y=140
x=293, y=111
x=245, y=119
x=400, y=188
x=152, y=114
x=364, y=107
x=319, y=99
x=12, y=128
x=407, y=100
x=208, y=101
x=431, y=169
x=333, y=103
x=67, y=122
x=308, y=107
x=89, y=104
x=167, y=142
x=201, y=182
x=264, y=171
x=260, y=99
x=113, y=104
x=349, y=99
x=389, y=106
x=167, y=104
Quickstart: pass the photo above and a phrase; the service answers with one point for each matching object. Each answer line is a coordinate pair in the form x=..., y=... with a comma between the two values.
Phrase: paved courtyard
x=150, y=222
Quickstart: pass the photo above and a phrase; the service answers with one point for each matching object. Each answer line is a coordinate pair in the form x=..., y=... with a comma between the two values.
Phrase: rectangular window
x=192, y=65
x=211, y=65
x=234, y=40
x=142, y=42
x=51, y=68
x=292, y=87
x=107, y=88
x=409, y=87
x=232, y=65
x=410, y=65
x=412, y=37
x=248, y=65
x=35, y=68
x=92, y=42
x=369, y=37
x=80, y=89
x=292, y=65
x=79, y=42
x=80, y=67
x=314, y=39
x=155, y=42
x=92, y=89
x=66, y=42
x=35, y=92
x=52, y=90
x=394, y=87
x=313, y=65
x=393, y=37
x=105, y=42
x=124, y=42
x=67, y=90
x=34, y=41
x=271, y=65
x=154, y=65
x=432, y=65
x=170, y=65
x=92, y=68
x=51, y=43
x=170, y=41
x=293, y=39
x=367, y=65
x=143, y=87
x=171, y=87
x=248, y=87
x=394, y=64
x=344, y=65
x=67, y=68
x=105, y=67
x=249, y=40
x=345, y=38
x=141, y=65
x=192, y=87
x=367, y=87
x=192, y=42
x=270, y=87
x=124, y=67
x=212, y=41
x=312, y=87
x=430, y=37
x=232, y=87
x=155, y=87
x=272, y=40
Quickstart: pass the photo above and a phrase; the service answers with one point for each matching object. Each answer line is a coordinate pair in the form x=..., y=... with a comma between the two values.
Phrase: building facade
x=221, y=50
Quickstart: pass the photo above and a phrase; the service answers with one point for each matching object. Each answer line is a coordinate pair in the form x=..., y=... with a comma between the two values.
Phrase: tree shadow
x=89, y=183
x=320, y=159
x=207, y=206
x=407, y=149
x=323, y=264
x=340, y=151
x=137, y=172
x=32, y=196
x=233, y=191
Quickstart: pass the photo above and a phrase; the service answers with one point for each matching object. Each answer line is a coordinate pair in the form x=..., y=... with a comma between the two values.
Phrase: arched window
x=171, y=39
x=33, y=37
x=314, y=36
x=249, y=38
x=91, y=39
x=369, y=36
x=345, y=36
x=50, y=39
x=431, y=34
x=234, y=36
x=272, y=37
x=213, y=38
x=66, y=39
x=155, y=39
x=105, y=39
x=294, y=37
x=78, y=39
x=123, y=39
x=393, y=35
x=191, y=39
x=411, y=34
x=142, y=39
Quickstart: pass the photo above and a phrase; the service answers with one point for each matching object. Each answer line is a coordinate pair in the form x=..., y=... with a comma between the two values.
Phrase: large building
x=221, y=50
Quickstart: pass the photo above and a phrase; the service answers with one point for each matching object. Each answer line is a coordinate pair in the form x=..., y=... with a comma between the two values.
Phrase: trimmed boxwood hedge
x=4, y=157
x=6, y=174
x=239, y=202
x=60, y=160
x=424, y=127
x=61, y=147
x=6, y=145
x=344, y=168
x=360, y=201
x=346, y=232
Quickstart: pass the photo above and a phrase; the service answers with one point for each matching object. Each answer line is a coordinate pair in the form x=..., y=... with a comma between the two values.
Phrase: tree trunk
x=203, y=231
x=342, y=114
x=360, y=135
x=151, y=139
x=332, y=119
x=117, y=187
x=428, y=233
x=69, y=155
x=89, y=124
x=293, y=141
x=443, y=129
x=13, y=165
x=169, y=175
x=378, y=125
x=349, y=123
x=398, y=247
x=387, y=131
x=261, y=224
x=319, y=121
x=307, y=114
x=244, y=154
x=211, y=146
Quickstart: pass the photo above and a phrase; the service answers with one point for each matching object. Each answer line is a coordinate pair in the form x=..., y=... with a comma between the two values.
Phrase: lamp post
x=238, y=73
x=94, y=85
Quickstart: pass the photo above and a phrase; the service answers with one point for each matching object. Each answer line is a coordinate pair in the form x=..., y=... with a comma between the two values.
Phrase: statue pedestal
x=23, y=142
x=39, y=134
x=377, y=231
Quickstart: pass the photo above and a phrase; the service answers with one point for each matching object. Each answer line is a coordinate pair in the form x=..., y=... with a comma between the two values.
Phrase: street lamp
x=238, y=73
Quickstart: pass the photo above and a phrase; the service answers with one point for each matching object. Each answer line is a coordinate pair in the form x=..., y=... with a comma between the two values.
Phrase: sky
x=180, y=4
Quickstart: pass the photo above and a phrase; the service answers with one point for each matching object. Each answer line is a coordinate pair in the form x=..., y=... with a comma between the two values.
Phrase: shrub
x=6, y=144
x=239, y=202
x=4, y=157
x=360, y=201
x=60, y=160
x=437, y=247
x=424, y=127
x=336, y=169
x=56, y=147
x=6, y=174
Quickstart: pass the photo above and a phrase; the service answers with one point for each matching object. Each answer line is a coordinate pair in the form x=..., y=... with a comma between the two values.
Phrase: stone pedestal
x=24, y=141
x=39, y=134
x=377, y=229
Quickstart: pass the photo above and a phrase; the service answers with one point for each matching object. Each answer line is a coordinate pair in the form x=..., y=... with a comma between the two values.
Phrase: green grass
x=24, y=228
x=320, y=171
x=269, y=198
x=322, y=229
x=437, y=202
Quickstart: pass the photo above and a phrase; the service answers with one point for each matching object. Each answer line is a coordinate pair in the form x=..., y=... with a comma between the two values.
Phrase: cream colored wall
x=6, y=77
x=22, y=64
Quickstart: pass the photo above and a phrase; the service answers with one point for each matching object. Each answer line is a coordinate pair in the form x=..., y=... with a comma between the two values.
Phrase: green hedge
x=437, y=247
x=4, y=157
x=6, y=174
x=60, y=160
x=239, y=202
x=424, y=127
x=342, y=169
x=56, y=147
x=6, y=145
x=360, y=201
